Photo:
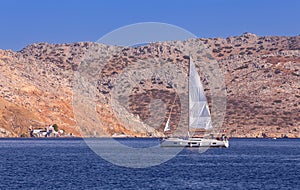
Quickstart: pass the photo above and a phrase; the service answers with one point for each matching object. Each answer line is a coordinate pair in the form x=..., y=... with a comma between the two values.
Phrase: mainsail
x=199, y=115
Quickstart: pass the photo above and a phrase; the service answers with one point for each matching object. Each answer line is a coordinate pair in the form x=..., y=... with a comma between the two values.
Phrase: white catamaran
x=199, y=117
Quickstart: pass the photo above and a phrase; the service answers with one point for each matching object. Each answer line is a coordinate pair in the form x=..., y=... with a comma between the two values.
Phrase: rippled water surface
x=71, y=164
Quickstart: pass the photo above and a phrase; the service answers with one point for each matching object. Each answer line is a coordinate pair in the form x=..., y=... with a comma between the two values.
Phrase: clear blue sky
x=64, y=21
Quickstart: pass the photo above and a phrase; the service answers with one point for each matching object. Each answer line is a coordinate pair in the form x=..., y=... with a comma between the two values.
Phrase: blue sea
x=71, y=164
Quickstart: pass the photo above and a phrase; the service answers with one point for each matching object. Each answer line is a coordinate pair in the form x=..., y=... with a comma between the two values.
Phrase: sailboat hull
x=198, y=118
x=193, y=142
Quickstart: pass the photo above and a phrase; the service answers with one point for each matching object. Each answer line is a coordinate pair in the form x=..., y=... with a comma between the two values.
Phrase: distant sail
x=167, y=126
x=199, y=114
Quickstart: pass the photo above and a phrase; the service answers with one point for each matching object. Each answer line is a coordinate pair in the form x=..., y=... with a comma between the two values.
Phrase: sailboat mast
x=189, y=75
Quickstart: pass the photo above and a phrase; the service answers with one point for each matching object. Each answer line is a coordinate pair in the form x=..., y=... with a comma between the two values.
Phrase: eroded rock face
x=261, y=76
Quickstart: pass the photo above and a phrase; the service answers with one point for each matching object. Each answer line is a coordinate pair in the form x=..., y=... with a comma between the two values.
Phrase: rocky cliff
x=261, y=77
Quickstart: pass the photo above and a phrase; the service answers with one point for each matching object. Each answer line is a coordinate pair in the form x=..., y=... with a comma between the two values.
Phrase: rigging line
x=172, y=105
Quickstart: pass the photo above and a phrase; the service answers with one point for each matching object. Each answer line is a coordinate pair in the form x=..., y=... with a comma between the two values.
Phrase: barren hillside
x=261, y=77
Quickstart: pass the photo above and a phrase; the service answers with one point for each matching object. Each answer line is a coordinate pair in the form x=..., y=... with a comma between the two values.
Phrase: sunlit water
x=71, y=164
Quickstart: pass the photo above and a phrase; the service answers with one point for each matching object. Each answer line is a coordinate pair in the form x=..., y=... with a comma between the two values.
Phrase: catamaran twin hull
x=193, y=142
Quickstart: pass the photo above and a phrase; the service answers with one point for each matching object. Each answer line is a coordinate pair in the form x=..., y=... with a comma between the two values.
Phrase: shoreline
x=52, y=138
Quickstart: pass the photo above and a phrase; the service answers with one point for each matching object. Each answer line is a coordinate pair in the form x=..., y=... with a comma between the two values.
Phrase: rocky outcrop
x=261, y=76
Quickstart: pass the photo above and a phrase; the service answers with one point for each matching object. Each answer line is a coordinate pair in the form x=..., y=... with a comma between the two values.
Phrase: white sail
x=167, y=126
x=199, y=115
